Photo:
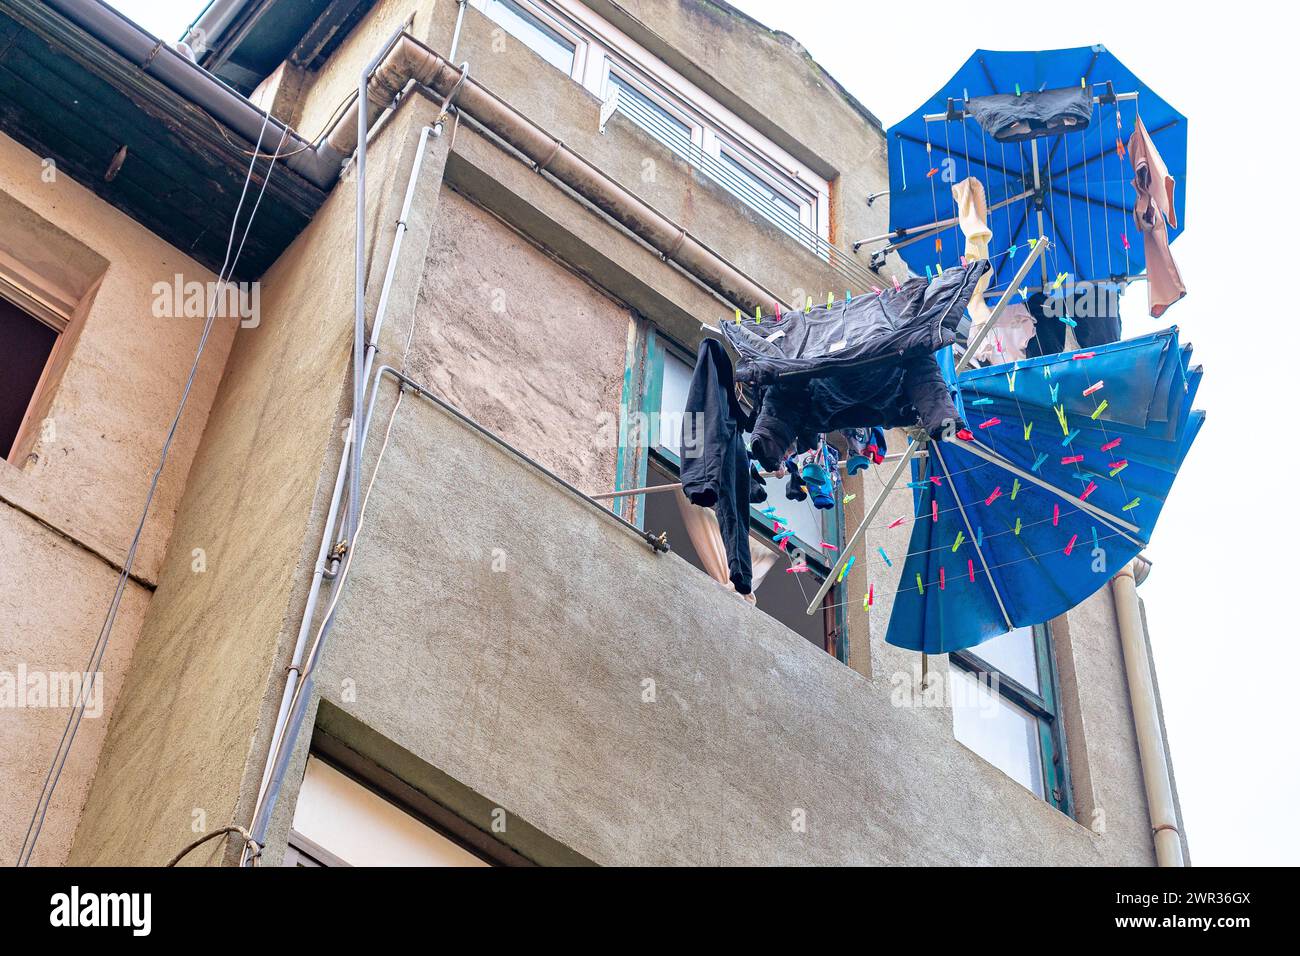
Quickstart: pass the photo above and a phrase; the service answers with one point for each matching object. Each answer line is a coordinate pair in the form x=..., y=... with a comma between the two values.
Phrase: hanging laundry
x=866, y=362
x=1016, y=119
x=1093, y=307
x=1009, y=337
x=972, y=215
x=716, y=469
x=866, y=447
x=1154, y=212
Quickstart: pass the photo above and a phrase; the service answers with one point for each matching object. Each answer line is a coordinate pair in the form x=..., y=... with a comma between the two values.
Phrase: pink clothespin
x=997, y=493
x=1070, y=547
x=1093, y=388
x=941, y=579
x=1071, y=459
x=1092, y=486
x=1111, y=444
x=970, y=569
x=1083, y=355
x=937, y=480
x=991, y=422
x=897, y=522
x=827, y=546
x=897, y=287
x=1056, y=515
x=934, y=511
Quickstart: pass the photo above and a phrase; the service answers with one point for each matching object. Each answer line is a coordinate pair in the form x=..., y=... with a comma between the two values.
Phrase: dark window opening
x=26, y=344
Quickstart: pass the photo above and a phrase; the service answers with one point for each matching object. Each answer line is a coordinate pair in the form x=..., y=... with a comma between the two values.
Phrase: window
x=340, y=822
x=535, y=32
x=779, y=593
x=725, y=149
x=1004, y=708
x=27, y=344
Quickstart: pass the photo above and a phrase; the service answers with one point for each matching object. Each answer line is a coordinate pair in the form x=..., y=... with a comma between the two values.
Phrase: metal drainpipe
x=1146, y=719
x=455, y=34
x=267, y=794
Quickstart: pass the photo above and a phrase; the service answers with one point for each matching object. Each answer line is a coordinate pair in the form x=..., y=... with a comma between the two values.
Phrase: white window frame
x=603, y=47
x=580, y=45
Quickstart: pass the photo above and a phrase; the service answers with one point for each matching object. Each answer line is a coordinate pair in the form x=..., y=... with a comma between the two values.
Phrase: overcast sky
x=1218, y=600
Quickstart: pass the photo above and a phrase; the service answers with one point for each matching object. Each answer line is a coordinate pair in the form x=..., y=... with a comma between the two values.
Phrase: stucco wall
x=516, y=665
x=521, y=344
x=70, y=504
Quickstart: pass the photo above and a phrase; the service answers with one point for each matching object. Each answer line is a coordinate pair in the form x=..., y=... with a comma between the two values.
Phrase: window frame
x=643, y=395
x=548, y=20
x=53, y=318
x=604, y=47
x=1043, y=706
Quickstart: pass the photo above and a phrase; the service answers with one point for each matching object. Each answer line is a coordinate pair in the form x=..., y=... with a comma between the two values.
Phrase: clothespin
x=1024, y=289
x=1111, y=444
x=1092, y=486
x=888, y=563
x=932, y=171
x=878, y=291
x=1056, y=515
x=1069, y=321
x=758, y=314
x=1017, y=527
x=938, y=243
x=964, y=434
x=1017, y=89
x=845, y=570
x=830, y=299
x=1015, y=489
x=870, y=597
x=1011, y=379
x=1093, y=388
x=1054, y=389
x=1123, y=237
x=1038, y=462
x=896, y=522
x=941, y=578
x=777, y=306
x=929, y=276
x=997, y=493
x=1033, y=244
x=1060, y=417
x=1095, y=542
x=897, y=287
x=808, y=306
x=1117, y=466
x=991, y=422
x=1131, y=505
x=936, y=480
x=1100, y=408
x=1119, y=144
x=1014, y=247
x=1070, y=547
x=1070, y=436
x=980, y=401
x=934, y=511
x=1080, y=356
x=737, y=316
x=1060, y=278
x=1028, y=428
x=963, y=262
x=1071, y=459
x=961, y=536
x=848, y=498
x=970, y=569
x=796, y=568
x=827, y=546
x=848, y=296
x=920, y=586
x=1083, y=85
x=979, y=537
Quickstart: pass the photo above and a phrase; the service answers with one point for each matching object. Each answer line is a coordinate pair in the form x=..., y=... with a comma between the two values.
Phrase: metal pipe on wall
x=1146, y=719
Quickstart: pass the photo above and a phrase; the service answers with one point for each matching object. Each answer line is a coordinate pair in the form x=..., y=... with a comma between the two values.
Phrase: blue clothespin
x=885, y=556
x=1074, y=433
x=1038, y=462
x=979, y=537
x=929, y=276
x=980, y=401
x=1054, y=389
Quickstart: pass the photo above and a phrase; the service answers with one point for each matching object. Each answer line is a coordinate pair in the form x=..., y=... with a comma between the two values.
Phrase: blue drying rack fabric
x=999, y=577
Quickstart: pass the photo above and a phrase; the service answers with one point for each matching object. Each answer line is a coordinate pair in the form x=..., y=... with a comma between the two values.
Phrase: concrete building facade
x=558, y=195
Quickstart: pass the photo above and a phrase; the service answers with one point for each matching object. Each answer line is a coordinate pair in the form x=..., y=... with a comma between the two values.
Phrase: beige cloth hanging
x=972, y=216
x=706, y=537
x=1153, y=208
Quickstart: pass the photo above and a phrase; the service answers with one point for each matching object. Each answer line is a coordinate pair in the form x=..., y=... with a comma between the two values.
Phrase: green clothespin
x=808, y=305
x=830, y=299
x=1017, y=89
x=737, y=316
x=758, y=314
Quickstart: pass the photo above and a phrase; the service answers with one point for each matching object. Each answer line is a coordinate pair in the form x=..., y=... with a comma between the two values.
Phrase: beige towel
x=1155, y=206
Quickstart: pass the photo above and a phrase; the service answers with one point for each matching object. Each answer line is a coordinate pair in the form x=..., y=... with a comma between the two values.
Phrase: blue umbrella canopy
x=1072, y=459
x=1084, y=192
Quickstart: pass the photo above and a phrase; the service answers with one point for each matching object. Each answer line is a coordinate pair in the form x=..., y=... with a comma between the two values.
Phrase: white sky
x=1217, y=599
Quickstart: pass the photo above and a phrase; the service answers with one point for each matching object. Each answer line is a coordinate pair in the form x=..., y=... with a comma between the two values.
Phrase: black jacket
x=861, y=363
x=715, y=465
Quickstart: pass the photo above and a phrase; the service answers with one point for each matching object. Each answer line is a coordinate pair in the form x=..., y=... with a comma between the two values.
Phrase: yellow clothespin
x=830, y=299
x=808, y=307
x=758, y=314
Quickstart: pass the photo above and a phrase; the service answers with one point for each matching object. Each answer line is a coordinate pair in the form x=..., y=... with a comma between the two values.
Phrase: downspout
x=1146, y=717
